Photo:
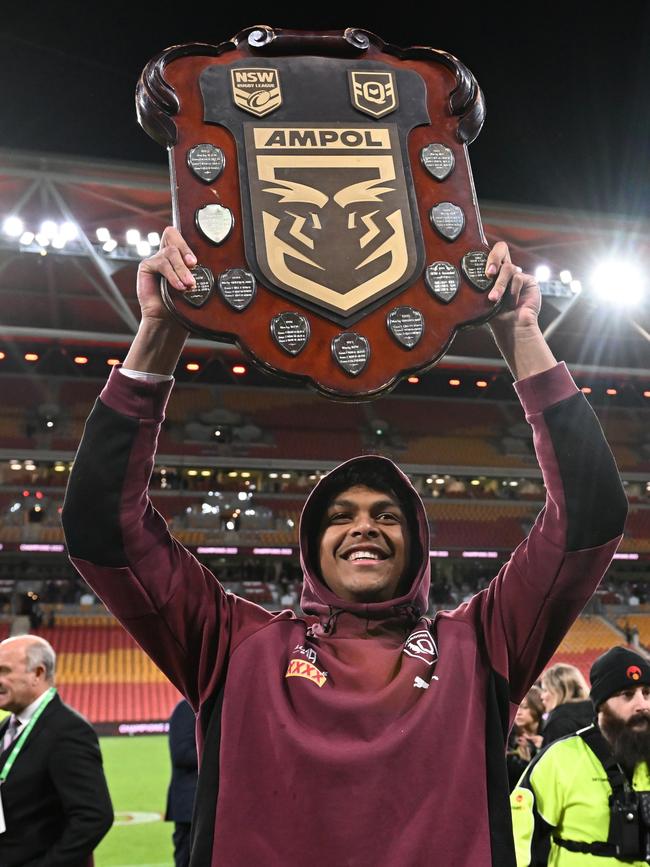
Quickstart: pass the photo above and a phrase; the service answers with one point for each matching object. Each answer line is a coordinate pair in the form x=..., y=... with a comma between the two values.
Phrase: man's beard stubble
x=629, y=746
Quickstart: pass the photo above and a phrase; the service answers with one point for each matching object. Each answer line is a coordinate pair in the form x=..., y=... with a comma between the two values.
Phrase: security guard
x=585, y=799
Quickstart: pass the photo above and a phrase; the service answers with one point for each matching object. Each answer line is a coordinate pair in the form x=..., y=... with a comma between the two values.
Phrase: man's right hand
x=172, y=261
x=159, y=342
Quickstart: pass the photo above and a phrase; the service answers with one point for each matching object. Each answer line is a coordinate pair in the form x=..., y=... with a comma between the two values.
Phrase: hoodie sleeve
x=171, y=604
x=537, y=595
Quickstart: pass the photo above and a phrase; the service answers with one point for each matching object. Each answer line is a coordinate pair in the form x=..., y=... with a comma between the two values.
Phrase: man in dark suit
x=55, y=802
x=180, y=797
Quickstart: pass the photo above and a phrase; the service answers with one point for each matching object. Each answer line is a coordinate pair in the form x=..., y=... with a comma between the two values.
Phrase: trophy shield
x=323, y=182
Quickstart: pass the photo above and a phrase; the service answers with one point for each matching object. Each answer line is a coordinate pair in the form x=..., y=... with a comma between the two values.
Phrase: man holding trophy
x=358, y=732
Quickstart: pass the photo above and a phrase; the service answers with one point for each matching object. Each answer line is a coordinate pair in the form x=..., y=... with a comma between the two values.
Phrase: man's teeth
x=364, y=555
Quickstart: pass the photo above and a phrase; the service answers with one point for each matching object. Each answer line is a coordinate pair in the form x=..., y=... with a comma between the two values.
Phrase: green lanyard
x=13, y=755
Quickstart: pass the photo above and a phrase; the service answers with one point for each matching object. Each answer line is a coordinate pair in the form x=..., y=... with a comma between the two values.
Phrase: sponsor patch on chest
x=302, y=668
x=420, y=645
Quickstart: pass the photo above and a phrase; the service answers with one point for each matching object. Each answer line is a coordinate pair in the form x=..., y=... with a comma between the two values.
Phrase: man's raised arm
x=537, y=595
x=165, y=598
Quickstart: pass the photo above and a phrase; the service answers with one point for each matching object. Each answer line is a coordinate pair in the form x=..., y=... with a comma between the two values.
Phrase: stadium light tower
x=619, y=282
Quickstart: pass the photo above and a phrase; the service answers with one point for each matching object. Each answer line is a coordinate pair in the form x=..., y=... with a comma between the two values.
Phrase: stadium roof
x=80, y=294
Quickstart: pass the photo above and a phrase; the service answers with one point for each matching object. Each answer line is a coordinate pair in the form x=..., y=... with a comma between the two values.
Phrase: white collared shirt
x=25, y=715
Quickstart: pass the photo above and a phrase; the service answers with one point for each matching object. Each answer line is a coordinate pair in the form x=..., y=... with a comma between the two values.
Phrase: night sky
x=567, y=84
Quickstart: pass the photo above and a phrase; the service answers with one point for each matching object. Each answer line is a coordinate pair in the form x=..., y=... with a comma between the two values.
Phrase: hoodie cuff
x=135, y=398
x=541, y=390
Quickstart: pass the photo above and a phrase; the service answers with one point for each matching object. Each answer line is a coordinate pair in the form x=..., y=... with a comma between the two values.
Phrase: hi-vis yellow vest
x=565, y=792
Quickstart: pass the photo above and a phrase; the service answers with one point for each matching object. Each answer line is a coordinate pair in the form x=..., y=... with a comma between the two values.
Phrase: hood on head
x=317, y=598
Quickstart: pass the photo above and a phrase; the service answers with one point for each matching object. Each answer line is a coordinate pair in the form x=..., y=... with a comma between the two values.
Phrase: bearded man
x=588, y=795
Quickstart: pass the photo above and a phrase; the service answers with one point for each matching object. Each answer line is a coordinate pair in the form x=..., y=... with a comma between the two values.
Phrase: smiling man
x=364, y=542
x=359, y=732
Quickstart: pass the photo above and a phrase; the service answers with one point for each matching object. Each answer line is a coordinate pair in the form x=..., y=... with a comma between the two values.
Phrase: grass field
x=138, y=771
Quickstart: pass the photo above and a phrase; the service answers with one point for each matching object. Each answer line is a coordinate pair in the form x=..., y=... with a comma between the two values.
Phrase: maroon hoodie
x=354, y=735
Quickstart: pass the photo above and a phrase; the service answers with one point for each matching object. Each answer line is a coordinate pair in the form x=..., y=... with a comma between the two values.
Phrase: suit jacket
x=55, y=799
x=182, y=747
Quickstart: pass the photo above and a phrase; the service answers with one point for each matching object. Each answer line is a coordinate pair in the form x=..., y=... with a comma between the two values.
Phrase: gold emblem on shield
x=373, y=92
x=256, y=89
x=332, y=219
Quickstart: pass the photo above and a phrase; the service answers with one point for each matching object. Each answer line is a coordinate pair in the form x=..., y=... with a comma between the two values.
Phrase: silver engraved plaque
x=351, y=351
x=406, y=324
x=237, y=287
x=214, y=222
x=438, y=160
x=204, y=282
x=290, y=331
x=473, y=265
x=447, y=219
x=206, y=161
x=443, y=280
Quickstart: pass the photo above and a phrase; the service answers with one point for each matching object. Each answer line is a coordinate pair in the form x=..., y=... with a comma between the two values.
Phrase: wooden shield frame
x=323, y=181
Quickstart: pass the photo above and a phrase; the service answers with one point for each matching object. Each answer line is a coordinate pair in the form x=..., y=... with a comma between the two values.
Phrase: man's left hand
x=523, y=299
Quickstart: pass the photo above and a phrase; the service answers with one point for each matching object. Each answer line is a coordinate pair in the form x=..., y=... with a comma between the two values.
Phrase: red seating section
x=585, y=641
x=103, y=673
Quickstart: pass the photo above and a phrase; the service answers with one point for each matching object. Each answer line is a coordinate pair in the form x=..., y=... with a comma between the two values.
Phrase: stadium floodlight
x=618, y=282
x=542, y=273
x=575, y=286
x=59, y=242
x=103, y=235
x=42, y=239
x=49, y=229
x=13, y=226
x=143, y=248
x=26, y=238
x=133, y=237
x=154, y=239
x=69, y=231
x=566, y=277
x=109, y=245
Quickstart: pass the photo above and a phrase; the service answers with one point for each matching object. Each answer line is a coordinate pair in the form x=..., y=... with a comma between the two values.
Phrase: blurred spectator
x=182, y=788
x=577, y=802
x=565, y=695
x=56, y=804
x=525, y=738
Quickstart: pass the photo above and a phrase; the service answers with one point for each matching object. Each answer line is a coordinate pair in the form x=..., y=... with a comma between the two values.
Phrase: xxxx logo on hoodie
x=302, y=668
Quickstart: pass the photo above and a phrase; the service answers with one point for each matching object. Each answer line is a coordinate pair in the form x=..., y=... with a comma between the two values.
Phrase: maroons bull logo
x=331, y=215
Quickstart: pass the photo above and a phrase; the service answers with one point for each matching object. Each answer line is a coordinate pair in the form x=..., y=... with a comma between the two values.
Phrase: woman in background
x=525, y=739
x=566, y=700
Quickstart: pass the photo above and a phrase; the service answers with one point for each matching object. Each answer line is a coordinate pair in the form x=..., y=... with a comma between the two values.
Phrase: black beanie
x=616, y=670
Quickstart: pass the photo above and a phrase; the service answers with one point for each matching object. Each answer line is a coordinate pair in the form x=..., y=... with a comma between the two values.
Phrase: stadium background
x=561, y=172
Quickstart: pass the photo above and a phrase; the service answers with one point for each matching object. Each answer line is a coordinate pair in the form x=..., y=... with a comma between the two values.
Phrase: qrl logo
x=373, y=93
x=420, y=645
x=633, y=672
